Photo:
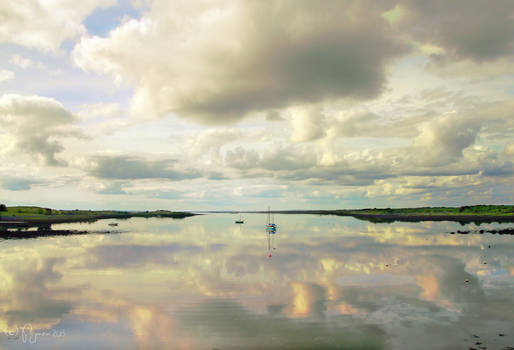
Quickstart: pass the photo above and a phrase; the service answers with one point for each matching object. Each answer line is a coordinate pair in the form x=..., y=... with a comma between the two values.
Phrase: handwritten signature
x=28, y=335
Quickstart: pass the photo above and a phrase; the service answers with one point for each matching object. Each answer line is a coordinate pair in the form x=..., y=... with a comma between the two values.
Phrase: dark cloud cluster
x=279, y=54
x=274, y=55
x=475, y=29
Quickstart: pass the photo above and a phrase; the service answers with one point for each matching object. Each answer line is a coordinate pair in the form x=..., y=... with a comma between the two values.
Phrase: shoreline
x=23, y=217
x=391, y=217
x=91, y=217
x=18, y=226
x=9, y=235
x=432, y=217
x=70, y=219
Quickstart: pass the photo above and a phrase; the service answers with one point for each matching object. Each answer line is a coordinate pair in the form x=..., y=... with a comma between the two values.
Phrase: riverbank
x=465, y=214
x=50, y=233
x=34, y=216
x=431, y=217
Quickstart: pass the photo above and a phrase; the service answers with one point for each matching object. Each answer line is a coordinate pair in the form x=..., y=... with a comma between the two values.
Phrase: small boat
x=271, y=230
x=271, y=227
x=113, y=224
x=240, y=221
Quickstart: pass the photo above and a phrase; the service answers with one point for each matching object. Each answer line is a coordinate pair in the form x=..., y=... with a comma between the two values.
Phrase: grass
x=42, y=213
x=39, y=214
x=482, y=210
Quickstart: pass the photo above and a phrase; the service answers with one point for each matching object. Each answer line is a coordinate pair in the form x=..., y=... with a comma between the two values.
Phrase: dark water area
x=206, y=283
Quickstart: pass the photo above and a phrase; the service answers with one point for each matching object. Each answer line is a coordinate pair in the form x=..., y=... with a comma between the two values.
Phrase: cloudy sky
x=243, y=104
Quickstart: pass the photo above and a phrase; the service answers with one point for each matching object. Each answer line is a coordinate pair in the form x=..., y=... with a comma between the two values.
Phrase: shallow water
x=207, y=283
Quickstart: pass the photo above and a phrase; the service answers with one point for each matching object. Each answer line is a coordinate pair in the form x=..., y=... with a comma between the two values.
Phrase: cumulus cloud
x=273, y=55
x=5, y=75
x=242, y=158
x=442, y=141
x=444, y=154
x=130, y=167
x=36, y=123
x=44, y=24
x=279, y=158
x=211, y=140
x=366, y=123
x=356, y=124
x=307, y=124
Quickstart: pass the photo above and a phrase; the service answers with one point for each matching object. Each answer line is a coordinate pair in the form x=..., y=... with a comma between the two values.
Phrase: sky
x=240, y=105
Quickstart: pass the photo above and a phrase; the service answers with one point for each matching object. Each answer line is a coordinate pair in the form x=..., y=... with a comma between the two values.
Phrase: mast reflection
x=271, y=230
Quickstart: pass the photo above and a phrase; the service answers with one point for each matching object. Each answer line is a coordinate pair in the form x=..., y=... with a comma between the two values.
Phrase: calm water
x=206, y=283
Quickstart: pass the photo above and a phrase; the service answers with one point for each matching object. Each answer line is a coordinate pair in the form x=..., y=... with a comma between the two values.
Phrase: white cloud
x=307, y=123
x=210, y=141
x=45, y=24
x=442, y=141
x=36, y=123
x=273, y=55
x=6, y=75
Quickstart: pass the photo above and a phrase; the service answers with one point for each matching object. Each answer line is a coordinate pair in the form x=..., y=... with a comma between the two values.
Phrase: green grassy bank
x=36, y=215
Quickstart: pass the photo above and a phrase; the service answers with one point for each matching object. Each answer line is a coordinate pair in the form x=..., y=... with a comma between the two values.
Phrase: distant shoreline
x=41, y=217
x=431, y=217
x=465, y=214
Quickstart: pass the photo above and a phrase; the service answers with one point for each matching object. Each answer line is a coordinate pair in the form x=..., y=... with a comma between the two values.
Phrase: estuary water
x=206, y=283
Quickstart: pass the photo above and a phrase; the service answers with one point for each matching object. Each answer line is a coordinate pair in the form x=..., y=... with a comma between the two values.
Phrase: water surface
x=207, y=283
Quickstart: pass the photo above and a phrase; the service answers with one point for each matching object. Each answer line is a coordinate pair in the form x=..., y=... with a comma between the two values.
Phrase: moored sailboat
x=271, y=227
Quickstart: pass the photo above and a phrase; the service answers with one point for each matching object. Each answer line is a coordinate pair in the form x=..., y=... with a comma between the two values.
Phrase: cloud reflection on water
x=332, y=282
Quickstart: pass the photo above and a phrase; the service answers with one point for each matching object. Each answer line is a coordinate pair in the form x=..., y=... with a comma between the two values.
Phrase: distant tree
x=3, y=207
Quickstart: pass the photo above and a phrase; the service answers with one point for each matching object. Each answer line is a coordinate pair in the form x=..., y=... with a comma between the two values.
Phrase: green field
x=488, y=210
x=42, y=215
